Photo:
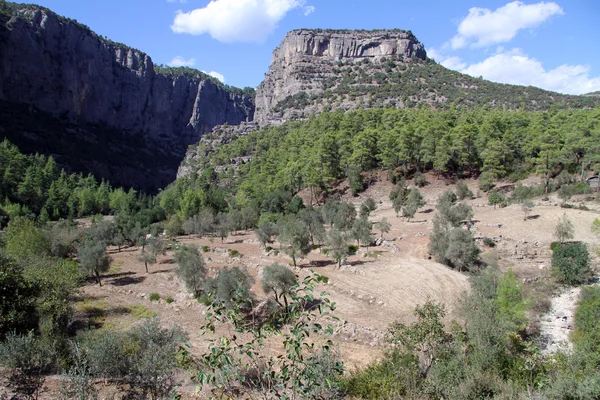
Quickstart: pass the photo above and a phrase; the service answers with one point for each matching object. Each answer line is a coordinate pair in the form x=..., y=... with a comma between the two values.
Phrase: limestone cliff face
x=60, y=67
x=307, y=59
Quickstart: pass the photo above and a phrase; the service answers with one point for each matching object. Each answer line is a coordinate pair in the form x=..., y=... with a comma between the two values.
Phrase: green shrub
x=489, y=242
x=420, y=180
x=391, y=378
x=234, y=253
x=230, y=287
x=495, y=198
x=205, y=249
x=154, y=297
x=352, y=249
x=463, y=191
x=570, y=263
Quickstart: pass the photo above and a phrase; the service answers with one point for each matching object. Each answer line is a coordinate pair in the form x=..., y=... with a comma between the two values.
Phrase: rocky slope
x=317, y=70
x=90, y=87
x=308, y=62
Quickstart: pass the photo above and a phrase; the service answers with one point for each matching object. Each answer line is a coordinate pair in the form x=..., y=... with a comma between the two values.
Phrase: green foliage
x=337, y=246
x=17, y=299
x=449, y=243
x=236, y=365
x=511, y=302
x=295, y=237
x=278, y=279
x=596, y=226
x=570, y=263
x=317, y=153
x=154, y=297
x=78, y=383
x=144, y=357
x=495, y=198
x=420, y=180
x=564, y=229
x=414, y=201
x=367, y=207
x=399, y=196
x=23, y=240
x=395, y=376
x=192, y=269
x=489, y=242
x=361, y=231
x=463, y=191
x=149, y=253
x=526, y=207
x=93, y=259
x=384, y=226
x=231, y=287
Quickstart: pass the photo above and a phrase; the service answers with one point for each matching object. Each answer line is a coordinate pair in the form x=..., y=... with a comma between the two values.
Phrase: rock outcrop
x=308, y=61
x=60, y=67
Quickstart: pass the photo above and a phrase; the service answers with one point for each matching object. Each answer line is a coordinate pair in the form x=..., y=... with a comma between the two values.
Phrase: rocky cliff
x=321, y=70
x=308, y=62
x=59, y=67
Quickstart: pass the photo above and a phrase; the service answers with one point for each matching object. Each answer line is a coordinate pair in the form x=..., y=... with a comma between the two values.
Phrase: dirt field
x=370, y=293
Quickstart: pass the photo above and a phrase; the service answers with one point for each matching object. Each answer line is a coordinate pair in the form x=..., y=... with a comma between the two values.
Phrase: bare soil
x=370, y=292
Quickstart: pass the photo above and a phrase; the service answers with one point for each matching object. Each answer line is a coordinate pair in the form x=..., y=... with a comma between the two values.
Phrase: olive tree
x=93, y=259
x=192, y=269
x=564, y=229
x=278, y=279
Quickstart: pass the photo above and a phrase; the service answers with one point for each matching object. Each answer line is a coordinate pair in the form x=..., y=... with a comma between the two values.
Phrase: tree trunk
x=146, y=265
x=547, y=173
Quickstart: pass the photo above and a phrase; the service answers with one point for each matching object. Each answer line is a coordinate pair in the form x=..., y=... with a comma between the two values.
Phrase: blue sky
x=550, y=44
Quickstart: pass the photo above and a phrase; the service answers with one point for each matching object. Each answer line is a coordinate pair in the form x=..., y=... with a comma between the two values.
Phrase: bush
x=231, y=287
x=489, y=242
x=169, y=300
x=18, y=300
x=234, y=253
x=495, y=198
x=463, y=191
x=154, y=297
x=420, y=180
x=570, y=263
x=486, y=182
x=390, y=378
x=587, y=317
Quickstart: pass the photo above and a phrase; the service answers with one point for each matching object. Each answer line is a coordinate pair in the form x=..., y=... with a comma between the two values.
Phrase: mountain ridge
x=58, y=66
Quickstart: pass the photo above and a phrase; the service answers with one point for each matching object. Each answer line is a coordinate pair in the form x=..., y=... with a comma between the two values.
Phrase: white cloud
x=484, y=27
x=309, y=10
x=182, y=62
x=518, y=68
x=216, y=75
x=235, y=20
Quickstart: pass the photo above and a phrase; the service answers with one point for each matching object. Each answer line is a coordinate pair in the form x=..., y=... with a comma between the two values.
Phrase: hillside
x=323, y=70
x=97, y=97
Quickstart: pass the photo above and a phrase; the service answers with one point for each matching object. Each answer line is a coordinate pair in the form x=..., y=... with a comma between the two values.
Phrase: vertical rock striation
x=307, y=58
x=61, y=67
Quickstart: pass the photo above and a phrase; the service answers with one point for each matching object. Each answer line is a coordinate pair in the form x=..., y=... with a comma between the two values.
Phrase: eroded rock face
x=306, y=59
x=59, y=66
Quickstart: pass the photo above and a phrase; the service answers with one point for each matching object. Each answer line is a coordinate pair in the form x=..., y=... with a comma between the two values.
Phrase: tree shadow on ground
x=127, y=280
